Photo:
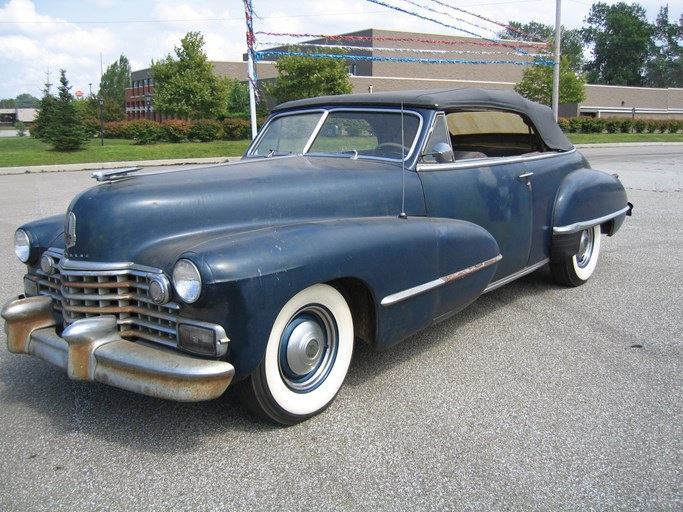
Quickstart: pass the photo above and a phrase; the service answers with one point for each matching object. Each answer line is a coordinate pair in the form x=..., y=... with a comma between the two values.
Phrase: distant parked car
x=358, y=217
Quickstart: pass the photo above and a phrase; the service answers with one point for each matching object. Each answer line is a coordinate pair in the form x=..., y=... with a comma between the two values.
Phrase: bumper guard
x=91, y=350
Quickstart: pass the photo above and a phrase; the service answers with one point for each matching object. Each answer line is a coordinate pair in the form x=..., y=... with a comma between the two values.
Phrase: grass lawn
x=21, y=151
x=602, y=138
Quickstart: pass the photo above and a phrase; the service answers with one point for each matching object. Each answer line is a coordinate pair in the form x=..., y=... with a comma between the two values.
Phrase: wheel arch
x=362, y=304
x=586, y=198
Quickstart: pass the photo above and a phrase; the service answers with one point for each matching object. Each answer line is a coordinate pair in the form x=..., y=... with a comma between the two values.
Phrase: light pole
x=100, y=100
x=148, y=103
x=556, y=66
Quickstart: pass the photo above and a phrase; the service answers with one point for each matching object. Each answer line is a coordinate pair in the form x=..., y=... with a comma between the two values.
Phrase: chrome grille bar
x=85, y=289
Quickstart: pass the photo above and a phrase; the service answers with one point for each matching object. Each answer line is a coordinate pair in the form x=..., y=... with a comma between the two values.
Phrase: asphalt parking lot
x=534, y=398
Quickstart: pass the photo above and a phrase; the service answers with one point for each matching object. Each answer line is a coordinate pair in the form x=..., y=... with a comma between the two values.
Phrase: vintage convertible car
x=358, y=217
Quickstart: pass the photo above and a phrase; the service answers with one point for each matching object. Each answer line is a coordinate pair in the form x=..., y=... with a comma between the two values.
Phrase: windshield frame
x=326, y=112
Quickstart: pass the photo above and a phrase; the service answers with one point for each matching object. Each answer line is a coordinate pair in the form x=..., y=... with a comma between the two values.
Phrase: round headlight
x=22, y=245
x=187, y=281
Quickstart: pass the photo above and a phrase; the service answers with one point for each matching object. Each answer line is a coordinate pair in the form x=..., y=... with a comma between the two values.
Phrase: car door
x=493, y=192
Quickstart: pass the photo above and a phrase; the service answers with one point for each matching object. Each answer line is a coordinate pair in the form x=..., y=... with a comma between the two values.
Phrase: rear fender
x=586, y=198
x=409, y=266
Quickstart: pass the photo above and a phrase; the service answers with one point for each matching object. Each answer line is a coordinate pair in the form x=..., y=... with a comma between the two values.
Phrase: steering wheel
x=388, y=148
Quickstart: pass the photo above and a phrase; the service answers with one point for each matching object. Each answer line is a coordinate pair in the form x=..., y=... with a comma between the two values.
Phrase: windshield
x=357, y=133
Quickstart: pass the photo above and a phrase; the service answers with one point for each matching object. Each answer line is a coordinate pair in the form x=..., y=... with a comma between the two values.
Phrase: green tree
x=114, y=82
x=59, y=120
x=620, y=38
x=571, y=44
x=665, y=67
x=27, y=101
x=186, y=85
x=537, y=84
x=238, y=98
x=307, y=77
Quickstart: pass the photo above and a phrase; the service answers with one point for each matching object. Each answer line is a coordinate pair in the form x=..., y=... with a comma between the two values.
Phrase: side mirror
x=443, y=153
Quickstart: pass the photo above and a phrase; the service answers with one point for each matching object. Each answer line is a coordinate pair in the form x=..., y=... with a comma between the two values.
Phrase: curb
x=36, y=169
x=94, y=166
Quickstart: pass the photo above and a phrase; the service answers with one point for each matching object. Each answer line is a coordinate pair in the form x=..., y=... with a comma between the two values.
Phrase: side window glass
x=438, y=148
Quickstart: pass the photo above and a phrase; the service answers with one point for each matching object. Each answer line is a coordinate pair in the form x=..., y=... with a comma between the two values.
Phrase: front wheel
x=576, y=270
x=307, y=357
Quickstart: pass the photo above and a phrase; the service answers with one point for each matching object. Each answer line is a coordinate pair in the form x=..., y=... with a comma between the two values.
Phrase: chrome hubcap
x=585, y=248
x=308, y=349
x=304, y=348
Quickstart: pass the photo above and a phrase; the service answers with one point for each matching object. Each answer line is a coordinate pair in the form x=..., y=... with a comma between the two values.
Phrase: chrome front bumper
x=91, y=350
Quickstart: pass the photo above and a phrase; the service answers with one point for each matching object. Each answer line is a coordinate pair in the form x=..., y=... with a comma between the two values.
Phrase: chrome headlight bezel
x=187, y=281
x=159, y=289
x=22, y=245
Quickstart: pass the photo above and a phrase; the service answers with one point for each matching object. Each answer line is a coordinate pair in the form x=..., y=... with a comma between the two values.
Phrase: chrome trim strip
x=116, y=268
x=394, y=298
x=580, y=226
x=516, y=275
x=490, y=161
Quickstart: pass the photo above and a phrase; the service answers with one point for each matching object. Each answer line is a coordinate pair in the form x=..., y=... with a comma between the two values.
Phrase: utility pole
x=251, y=70
x=556, y=65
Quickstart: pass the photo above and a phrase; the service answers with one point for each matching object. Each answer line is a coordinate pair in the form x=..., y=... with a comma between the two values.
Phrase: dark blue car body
x=370, y=229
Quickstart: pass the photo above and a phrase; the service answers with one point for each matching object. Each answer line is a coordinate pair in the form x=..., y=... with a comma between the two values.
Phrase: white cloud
x=37, y=35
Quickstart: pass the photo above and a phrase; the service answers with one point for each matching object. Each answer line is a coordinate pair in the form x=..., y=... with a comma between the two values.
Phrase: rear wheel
x=307, y=357
x=579, y=268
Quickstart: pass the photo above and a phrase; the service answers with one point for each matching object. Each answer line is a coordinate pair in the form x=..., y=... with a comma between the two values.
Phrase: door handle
x=525, y=176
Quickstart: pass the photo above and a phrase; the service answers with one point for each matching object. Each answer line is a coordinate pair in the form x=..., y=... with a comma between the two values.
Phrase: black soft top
x=449, y=99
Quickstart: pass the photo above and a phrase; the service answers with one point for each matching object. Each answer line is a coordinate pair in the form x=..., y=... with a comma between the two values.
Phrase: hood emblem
x=70, y=233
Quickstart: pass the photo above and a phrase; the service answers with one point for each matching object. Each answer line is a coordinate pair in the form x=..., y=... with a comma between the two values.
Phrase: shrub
x=575, y=125
x=206, y=130
x=144, y=132
x=613, y=125
x=639, y=125
x=563, y=122
x=92, y=127
x=658, y=125
x=175, y=130
x=236, y=129
x=117, y=130
x=21, y=128
x=626, y=126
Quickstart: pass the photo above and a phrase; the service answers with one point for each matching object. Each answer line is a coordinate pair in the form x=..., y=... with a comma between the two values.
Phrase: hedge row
x=584, y=124
x=148, y=132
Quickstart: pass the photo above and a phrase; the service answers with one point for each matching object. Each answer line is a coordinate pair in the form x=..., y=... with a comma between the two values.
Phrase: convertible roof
x=449, y=99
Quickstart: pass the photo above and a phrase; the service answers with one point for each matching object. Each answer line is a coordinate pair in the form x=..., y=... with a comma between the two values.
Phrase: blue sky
x=37, y=36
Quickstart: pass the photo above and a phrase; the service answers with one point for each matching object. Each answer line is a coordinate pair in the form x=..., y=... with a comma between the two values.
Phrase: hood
x=132, y=220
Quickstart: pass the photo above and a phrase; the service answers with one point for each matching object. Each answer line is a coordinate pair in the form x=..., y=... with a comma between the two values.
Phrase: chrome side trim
x=394, y=298
x=516, y=275
x=580, y=226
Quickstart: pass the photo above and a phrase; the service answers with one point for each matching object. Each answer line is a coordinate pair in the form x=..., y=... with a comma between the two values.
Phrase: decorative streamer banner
x=394, y=39
x=447, y=25
x=392, y=49
x=275, y=53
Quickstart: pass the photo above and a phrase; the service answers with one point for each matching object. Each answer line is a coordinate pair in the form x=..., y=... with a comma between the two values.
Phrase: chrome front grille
x=86, y=290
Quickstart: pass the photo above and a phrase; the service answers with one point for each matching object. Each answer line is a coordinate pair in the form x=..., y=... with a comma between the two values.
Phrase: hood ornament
x=114, y=174
x=70, y=231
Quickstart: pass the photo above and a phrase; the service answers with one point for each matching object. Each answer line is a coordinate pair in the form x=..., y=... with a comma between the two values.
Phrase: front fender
x=586, y=198
x=410, y=264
